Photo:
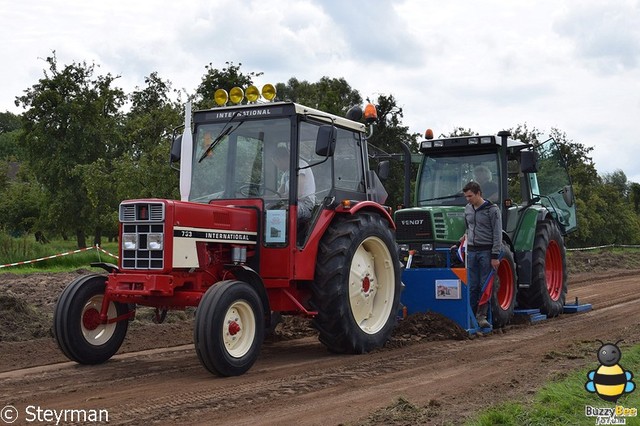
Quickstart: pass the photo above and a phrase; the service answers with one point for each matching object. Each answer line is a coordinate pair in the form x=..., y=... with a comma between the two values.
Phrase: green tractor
x=533, y=190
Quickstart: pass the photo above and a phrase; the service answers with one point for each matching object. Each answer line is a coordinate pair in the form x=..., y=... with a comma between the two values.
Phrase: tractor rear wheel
x=548, y=288
x=503, y=300
x=357, y=286
x=76, y=322
x=229, y=328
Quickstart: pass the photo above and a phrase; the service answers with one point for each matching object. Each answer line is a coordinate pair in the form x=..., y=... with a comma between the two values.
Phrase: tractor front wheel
x=77, y=328
x=357, y=286
x=548, y=288
x=504, y=295
x=229, y=328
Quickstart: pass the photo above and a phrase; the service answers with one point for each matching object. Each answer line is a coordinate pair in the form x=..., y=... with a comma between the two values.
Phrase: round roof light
x=236, y=95
x=269, y=92
x=253, y=94
x=221, y=97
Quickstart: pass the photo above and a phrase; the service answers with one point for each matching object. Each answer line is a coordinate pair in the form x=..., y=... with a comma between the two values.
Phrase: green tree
x=621, y=223
x=139, y=167
x=332, y=95
x=9, y=132
x=522, y=133
x=72, y=119
x=459, y=131
x=388, y=136
x=154, y=113
x=582, y=169
x=226, y=78
x=9, y=122
x=144, y=171
x=617, y=183
x=634, y=190
x=22, y=204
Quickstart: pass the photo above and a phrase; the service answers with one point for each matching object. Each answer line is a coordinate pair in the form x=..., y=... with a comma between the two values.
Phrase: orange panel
x=460, y=273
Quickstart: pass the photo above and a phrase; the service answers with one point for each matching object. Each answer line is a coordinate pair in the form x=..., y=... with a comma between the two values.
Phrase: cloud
x=480, y=65
x=373, y=31
x=605, y=36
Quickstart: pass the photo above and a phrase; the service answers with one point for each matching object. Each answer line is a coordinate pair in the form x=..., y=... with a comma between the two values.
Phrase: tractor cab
x=510, y=173
x=288, y=161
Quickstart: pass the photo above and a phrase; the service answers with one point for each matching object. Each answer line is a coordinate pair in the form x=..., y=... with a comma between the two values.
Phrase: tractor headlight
x=427, y=247
x=426, y=145
x=155, y=241
x=403, y=248
x=130, y=241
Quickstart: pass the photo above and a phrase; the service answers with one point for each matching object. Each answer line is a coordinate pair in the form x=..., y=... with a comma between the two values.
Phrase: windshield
x=443, y=177
x=242, y=163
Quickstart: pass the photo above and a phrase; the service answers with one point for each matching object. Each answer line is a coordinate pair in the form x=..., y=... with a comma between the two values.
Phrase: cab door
x=553, y=185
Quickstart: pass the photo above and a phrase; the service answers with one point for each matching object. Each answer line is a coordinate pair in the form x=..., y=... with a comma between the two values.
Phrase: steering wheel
x=248, y=189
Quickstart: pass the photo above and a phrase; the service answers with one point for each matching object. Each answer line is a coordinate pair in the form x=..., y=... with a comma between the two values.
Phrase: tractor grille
x=139, y=222
x=147, y=212
x=412, y=225
x=439, y=226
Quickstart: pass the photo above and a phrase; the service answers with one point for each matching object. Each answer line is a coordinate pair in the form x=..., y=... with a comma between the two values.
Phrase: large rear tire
x=357, y=286
x=548, y=288
x=504, y=297
x=229, y=328
x=76, y=322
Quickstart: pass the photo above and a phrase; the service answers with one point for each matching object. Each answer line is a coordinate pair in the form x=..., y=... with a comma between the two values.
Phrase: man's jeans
x=478, y=269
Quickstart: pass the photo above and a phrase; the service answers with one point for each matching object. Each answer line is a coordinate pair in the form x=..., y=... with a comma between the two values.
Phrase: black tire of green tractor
x=229, y=328
x=548, y=288
x=357, y=286
x=503, y=300
x=76, y=326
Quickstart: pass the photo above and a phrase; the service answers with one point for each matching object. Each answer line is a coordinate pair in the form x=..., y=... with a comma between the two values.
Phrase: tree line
x=82, y=145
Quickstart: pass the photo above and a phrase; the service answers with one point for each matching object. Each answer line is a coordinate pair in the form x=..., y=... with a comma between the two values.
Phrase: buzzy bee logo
x=610, y=381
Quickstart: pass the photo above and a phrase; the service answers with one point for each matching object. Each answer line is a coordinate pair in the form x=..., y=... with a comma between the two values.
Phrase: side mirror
x=326, y=140
x=567, y=195
x=528, y=162
x=176, y=147
x=383, y=170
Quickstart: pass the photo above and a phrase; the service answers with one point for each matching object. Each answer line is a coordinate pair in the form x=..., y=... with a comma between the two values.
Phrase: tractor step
x=534, y=314
x=574, y=308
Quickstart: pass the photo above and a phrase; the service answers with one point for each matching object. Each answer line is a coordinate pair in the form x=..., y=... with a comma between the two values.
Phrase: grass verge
x=559, y=403
x=13, y=250
x=564, y=402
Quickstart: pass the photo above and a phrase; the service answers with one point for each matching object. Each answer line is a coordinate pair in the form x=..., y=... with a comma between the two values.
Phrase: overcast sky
x=485, y=65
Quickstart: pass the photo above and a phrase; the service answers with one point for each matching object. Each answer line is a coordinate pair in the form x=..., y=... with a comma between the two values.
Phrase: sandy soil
x=157, y=378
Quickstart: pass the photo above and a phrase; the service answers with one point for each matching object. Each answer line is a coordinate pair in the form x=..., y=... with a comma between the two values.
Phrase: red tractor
x=246, y=241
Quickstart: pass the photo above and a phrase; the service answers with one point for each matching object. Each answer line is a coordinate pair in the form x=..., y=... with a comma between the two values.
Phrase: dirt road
x=299, y=382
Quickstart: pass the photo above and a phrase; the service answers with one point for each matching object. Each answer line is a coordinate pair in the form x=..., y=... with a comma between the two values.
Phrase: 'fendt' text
x=412, y=222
